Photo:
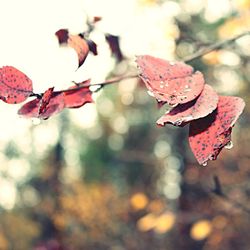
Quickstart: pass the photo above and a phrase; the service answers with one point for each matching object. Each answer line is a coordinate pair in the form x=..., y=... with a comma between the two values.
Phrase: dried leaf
x=114, y=44
x=78, y=97
x=31, y=109
x=80, y=46
x=171, y=82
x=62, y=35
x=45, y=100
x=15, y=86
x=208, y=136
x=205, y=104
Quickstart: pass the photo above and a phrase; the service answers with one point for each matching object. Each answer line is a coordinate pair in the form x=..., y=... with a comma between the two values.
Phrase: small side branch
x=219, y=192
x=192, y=57
x=213, y=47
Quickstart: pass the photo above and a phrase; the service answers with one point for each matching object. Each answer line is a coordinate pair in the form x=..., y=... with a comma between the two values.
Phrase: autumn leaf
x=15, y=86
x=205, y=104
x=80, y=46
x=76, y=42
x=92, y=46
x=32, y=109
x=77, y=97
x=171, y=82
x=62, y=35
x=209, y=135
x=45, y=100
x=114, y=45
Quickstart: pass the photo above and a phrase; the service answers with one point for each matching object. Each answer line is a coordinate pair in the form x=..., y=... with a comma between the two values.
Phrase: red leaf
x=62, y=35
x=80, y=46
x=92, y=46
x=171, y=82
x=114, y=44
x=77, y=98
x=205, y=104
x=207, y=136
x=31, y=109
x=15, y=86
x=45, y=100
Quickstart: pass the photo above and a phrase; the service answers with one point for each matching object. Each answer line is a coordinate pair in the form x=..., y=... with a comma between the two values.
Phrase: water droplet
x=151, y=93
x=172, y=63
x=189, y=118
x=178, y=122
x=173, y=105
x=187, y=90
x=229, y=145
x=211, y=157
x=161, y=86
x=95, y=88
x=204, y=164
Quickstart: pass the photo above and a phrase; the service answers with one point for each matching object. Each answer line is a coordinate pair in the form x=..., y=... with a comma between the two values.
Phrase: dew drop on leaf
x=173, y=105
x=178, y=122
x=151, y=93
x=95, y=88
x=204, y=164
x=229, y=145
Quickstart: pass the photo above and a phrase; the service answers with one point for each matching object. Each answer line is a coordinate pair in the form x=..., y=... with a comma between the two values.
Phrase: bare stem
x=213, y=47
x=187, y=59
x=219, y=192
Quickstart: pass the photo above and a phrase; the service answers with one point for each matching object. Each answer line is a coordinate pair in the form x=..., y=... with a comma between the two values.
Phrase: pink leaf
x=78, y=97
x=114, y=45
x=80, y=46
x=45, y=100
x=31, y=109
x=171, y=82
x=208, y=136
x=205, y=104
x=15, y=86
x=62, y=35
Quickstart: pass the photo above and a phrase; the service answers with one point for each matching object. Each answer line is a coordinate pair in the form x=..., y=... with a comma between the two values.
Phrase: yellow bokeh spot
x=147, y=222
x=242, y=4
x=235, y=26
x=211, y=58
x=164, y=223
x=201, y=229
x=139, y=201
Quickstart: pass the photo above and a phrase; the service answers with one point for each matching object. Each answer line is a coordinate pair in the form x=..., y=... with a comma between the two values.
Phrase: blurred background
x=105, y=176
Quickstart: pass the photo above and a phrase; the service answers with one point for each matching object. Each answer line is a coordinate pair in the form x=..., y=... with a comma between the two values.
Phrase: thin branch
x=219, y=192
x=213, y=47
x=81, y=86
x=187, y=59
x=38, y=96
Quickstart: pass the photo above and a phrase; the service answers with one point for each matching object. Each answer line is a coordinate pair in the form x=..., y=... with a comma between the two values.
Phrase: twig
x=219, y=192
x=81, y=86
x=192, y=57
x=213, y=47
